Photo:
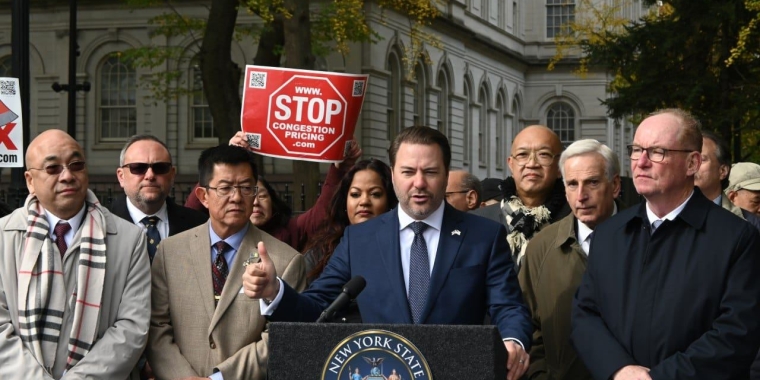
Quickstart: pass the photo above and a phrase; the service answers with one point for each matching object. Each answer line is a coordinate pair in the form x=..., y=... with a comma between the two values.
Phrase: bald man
x=71, y=272
x=463, y=190
x=534, y=196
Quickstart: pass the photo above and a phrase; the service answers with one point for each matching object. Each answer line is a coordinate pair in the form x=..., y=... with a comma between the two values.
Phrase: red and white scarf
x=42, y=293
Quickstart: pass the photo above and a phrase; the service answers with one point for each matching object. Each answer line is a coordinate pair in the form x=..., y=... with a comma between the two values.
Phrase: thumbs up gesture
x=260, y=279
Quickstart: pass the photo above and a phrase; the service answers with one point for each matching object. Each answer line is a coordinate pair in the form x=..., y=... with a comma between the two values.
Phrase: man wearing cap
x=491, y=192
x=744, y=186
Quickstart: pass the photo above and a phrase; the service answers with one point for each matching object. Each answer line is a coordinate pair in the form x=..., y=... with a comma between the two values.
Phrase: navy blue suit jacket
x=472, y=276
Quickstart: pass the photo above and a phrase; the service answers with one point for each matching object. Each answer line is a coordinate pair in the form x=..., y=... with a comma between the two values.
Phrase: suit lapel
x=201, y=260
x=448, y=246
x=389, y=248
x=235, y=277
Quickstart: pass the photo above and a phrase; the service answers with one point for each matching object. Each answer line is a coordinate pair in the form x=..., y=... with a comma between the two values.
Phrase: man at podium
x=424, y=262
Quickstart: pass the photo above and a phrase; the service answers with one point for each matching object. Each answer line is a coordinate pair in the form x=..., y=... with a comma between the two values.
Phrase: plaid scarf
x=42, y=293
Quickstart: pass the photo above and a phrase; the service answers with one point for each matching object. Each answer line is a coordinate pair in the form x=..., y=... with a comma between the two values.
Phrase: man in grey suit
x=70, y=272
x=202, y=325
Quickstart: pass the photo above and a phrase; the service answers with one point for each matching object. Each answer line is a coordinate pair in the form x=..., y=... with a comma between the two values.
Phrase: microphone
x=350, y=291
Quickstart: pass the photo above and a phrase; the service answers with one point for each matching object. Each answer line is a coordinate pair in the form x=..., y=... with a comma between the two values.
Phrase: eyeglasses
x=655, y=154
x=542, y=157
x=450, y=193
x=245, y=190
x=140, y=168
x=76, y=166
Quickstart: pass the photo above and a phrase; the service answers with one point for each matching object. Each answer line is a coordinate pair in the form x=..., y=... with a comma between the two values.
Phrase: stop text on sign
x=305, y=110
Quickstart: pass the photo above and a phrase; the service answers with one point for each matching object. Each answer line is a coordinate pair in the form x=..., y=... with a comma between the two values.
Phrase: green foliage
x=691, y=54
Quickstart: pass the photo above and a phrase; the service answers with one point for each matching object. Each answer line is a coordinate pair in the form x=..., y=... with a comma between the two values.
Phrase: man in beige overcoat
x=70, y=271
x=202, y=325
x=555, y=259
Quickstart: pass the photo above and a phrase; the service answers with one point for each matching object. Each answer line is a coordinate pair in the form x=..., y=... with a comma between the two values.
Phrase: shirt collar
x=235, y=240
x=434, y=220
x=671, y=215
x=718, y=199
x=137, y=215
x=74, y=222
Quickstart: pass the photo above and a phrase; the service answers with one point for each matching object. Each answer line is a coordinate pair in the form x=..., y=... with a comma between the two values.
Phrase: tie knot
x=221, y=246
x=150, y=221
x=656, y=224
x=418, y=227
x=61, y=229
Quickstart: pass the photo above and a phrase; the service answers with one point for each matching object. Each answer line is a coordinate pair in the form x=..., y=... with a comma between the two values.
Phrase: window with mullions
x=394, y=95
x=117, y=112
x=561, y=119
x=558, y=14
x=201, y=120
x=444, y=126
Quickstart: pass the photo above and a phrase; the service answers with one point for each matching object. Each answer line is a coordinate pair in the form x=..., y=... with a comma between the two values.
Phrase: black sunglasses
x=56, y=169
x=139, y=168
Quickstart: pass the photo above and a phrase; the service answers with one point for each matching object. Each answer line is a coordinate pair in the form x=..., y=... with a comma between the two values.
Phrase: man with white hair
x=555, y=259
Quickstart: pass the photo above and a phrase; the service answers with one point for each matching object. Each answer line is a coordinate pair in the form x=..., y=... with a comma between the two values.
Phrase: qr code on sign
x=254, y=140
x=258, y=80
x=7, y=87
x=358, y=88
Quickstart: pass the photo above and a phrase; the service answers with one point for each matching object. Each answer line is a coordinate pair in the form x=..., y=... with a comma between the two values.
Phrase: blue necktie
x=419, y=272
x=151, y=231
x=656, y=224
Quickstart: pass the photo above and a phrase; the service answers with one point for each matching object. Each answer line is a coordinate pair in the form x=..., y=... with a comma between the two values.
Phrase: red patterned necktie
x=61, y=229
x=219, y=270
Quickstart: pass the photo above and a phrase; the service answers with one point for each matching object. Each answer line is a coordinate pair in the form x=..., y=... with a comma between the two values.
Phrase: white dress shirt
x=74, y=222
x=137, y=216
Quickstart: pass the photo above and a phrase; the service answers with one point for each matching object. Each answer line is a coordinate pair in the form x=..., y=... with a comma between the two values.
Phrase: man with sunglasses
x=147, y=175
x=534, y=196
x=201, y=323
x=74, y=279
x=671, y=290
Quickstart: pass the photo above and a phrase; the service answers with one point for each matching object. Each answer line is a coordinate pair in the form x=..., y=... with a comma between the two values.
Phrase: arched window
x=467, y=130
x=444, y=125
x=420, y=95
x=6, y=66
x=558, y=14
x=501, y=126
x=561, y=119
x=395, y=97
x=201, y=121
x=483, y=127
x=117, y=105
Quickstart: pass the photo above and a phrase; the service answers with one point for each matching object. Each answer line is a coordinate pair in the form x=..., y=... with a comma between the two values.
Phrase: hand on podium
x=260, y=279
x=517, y=360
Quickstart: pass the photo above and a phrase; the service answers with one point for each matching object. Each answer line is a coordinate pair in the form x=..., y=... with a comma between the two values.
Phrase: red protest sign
x=299, y=114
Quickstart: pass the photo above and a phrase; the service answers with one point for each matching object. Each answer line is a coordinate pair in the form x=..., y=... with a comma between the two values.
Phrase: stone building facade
x=488, y=80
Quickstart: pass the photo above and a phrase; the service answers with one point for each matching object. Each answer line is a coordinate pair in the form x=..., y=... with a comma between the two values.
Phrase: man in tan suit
x=202, y=325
